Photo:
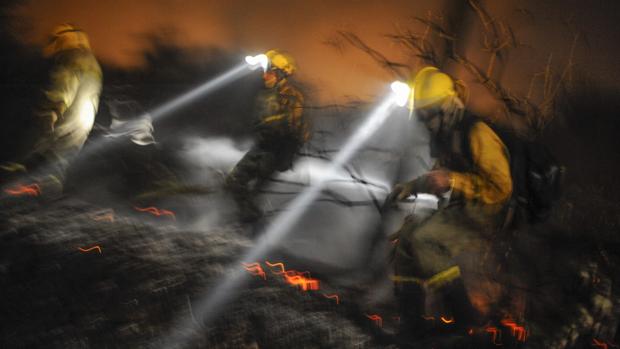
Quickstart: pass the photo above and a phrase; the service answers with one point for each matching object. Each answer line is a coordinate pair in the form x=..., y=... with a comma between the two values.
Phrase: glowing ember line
x=30, y=190
x=156, y=212
x=332, y=296
x=295, y=278
x=496, y=333
x=278, y=264
x=284, y=271
x=599, y=344
x=255, y=269
x=517, y=331
x=96, y=247
x=428, y=318
x=304, y=283
x=376, y=319
x=305, y=274
x=446, y=320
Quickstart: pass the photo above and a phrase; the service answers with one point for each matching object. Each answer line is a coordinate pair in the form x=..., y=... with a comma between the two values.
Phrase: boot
x=413, y=327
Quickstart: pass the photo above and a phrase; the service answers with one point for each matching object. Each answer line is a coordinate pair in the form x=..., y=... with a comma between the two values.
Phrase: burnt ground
x=145, y=277
x=149, y=273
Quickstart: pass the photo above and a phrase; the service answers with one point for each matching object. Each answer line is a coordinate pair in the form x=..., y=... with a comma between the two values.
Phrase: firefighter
x=432, y=254
x=280, y=131
x=65, y=112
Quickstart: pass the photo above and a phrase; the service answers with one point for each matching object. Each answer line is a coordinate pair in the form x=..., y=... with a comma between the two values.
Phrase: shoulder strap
x=467, y=123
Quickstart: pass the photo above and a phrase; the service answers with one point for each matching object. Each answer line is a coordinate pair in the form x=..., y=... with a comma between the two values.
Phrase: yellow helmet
x=430, y=88
x=63, y=29
x=282, y=61
x=65, y=37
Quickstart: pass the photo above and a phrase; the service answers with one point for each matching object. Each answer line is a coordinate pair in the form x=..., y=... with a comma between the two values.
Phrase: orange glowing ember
x=96, y=247
x=157, y=212
x=24, y=190
x=496, y=333
x=332, y=296
x=255, y=269
x=517, y=331
x=376, y=318
x=602, y=344
x=283, y=270
x=278, y=264
x=447, y=320
x=296, y=278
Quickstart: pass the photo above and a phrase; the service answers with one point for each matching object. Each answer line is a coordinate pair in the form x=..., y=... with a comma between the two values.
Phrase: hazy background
x=119, y=32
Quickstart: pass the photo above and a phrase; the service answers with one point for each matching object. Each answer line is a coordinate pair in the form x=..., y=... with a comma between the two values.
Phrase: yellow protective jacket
x=281, y=114
x=69, y=102
x=489, y=180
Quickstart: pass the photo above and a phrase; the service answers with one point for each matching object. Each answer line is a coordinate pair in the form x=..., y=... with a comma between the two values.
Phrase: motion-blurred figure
x=280, y=131
x=65, y=112
x=431, y=254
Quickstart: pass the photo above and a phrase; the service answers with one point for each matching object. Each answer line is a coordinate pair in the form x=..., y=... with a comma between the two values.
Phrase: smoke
x=139, y=131
x=218, y=153
x=129, y=121
x=207, y=161
x=347, y=212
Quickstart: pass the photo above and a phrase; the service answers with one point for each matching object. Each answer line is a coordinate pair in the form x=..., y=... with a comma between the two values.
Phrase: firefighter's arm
x=491, y=183
x=58, y=95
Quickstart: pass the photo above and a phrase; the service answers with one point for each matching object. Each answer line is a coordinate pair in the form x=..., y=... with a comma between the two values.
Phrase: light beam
x=225, y=291
x=201, y=90
x=160, y=112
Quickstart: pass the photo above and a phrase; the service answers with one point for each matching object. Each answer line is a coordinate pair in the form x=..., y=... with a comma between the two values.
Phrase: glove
x=402, y=191
x=435, y=182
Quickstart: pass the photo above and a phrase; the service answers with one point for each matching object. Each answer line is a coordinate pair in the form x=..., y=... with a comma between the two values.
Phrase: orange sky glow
x=117, y=30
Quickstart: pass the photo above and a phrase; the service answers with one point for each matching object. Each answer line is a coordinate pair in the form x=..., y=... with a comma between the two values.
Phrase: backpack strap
x=465, y=127
x=517, y=161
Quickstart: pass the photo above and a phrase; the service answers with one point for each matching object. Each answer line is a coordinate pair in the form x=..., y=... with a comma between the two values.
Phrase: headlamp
x=402, y=92
x=257, y=61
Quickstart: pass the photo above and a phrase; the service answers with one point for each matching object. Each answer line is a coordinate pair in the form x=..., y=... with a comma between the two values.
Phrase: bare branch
x=328, y=196
x=336, y=43
x=418, y=44
x=568, y=68
x=498, y=39
x=375, y=201
x=438, y=29
x=383, y=61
